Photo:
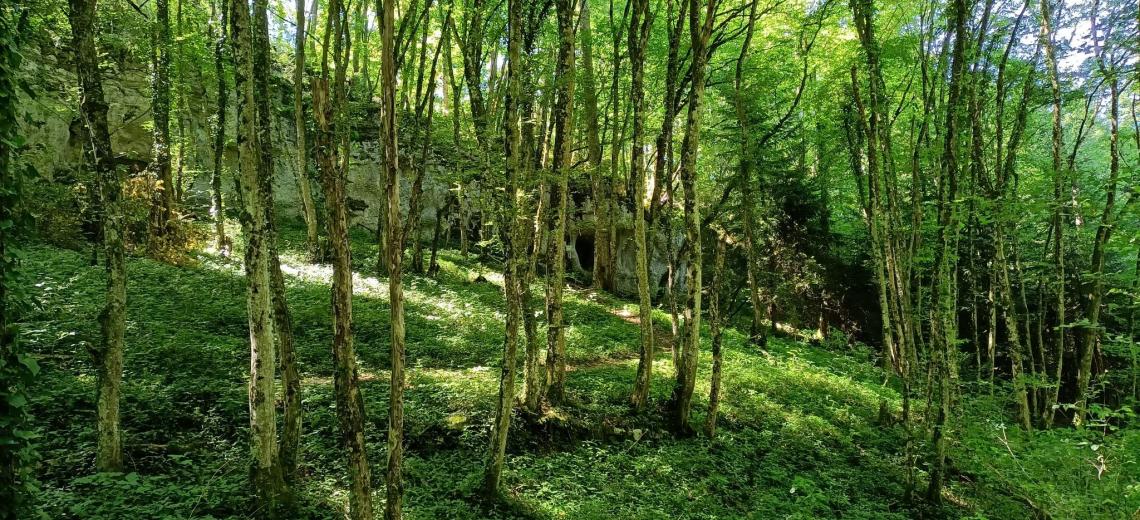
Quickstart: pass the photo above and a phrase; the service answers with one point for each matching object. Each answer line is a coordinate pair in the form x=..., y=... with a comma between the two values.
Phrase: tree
x=716, y=318
x=638, y=37
x=1059, y=215
x=266, y=470
x=748, y=211
x=217, y=208
x=1107, y=64
x=511, y=235
x=700, y=30
x=328, y=111
x=108, y=354
x=163, y=204
x=308, y=207
x=556, y=257
x=18, y=370
x=603, y=273
x=282, y=318
x=943, y=319
x=389, y=142
x=424, y=103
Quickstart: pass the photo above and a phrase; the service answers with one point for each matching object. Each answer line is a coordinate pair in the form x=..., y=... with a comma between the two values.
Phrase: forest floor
x=799, y=435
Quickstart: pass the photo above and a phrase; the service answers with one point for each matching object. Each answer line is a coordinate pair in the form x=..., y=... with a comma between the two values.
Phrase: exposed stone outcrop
x=53, y=130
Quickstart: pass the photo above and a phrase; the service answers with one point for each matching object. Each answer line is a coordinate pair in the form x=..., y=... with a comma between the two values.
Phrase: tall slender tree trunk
x=282, y=318
x=943, y=319
x=605, y=196
x=217, y=209
x=510, y=231
x=715, y=321
x=180, y=70
x=750, y=252
x=1059, y=215
x=422, y=103
x=537, y=372
x=1013, y=333
x=394, y=484
x=664, y=166
x=308, y=206
x=556, y=257
x=1094, y=289
x=699, y=32
x=329, y=116
x=163, y=203
x=108, y=355
x=602, y=277
x=266, y=469
x=638, y=38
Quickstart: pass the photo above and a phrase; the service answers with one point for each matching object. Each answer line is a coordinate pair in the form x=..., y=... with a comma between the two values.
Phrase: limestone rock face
x=580, y=252
x=625, y=272
x=50, y=122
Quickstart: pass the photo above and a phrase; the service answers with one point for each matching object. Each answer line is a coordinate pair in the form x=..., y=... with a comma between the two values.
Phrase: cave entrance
x=584, y=246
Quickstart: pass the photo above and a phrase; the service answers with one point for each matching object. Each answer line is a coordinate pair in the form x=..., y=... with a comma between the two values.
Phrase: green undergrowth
x=799, y=433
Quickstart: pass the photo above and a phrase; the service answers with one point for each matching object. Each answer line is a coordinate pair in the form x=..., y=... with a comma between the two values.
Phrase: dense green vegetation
x=800, y=434
x=569, y=259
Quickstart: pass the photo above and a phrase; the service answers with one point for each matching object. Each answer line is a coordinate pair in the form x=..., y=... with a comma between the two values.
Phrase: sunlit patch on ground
x=797, y=434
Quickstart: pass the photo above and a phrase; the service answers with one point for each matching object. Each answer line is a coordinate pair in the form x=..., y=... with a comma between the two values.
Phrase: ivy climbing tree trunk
x=18, y=371
x=108, y=354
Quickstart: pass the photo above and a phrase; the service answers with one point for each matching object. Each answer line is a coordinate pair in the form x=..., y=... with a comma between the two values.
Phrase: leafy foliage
x=799, y=439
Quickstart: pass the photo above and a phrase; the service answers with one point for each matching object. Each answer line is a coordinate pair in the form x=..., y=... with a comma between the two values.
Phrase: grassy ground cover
x=799, y=436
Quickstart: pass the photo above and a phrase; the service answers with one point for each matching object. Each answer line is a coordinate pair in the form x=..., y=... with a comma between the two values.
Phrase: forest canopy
x=569, y=259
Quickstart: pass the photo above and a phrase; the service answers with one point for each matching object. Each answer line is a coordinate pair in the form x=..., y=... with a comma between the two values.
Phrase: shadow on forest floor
x=797, y=437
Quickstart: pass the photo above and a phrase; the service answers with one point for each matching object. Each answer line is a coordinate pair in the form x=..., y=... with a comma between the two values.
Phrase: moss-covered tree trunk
x=605, y=192
x=394, y=485
x=943, y=320
x=556, y=255
x=745, y=171
x=700, y=30
x=108, y=354
x=1058, y=218
x=511, y=235
x=282, y=318
x=638, y=37
x=308, y=206
x=217, y=209
x=266, y=471
x=602, y=277
x=162, y=210
x=1094, y=288
x=716, y=318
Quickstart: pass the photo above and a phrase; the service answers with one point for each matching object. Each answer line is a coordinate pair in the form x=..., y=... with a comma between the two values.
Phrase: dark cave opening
x=584, y=246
